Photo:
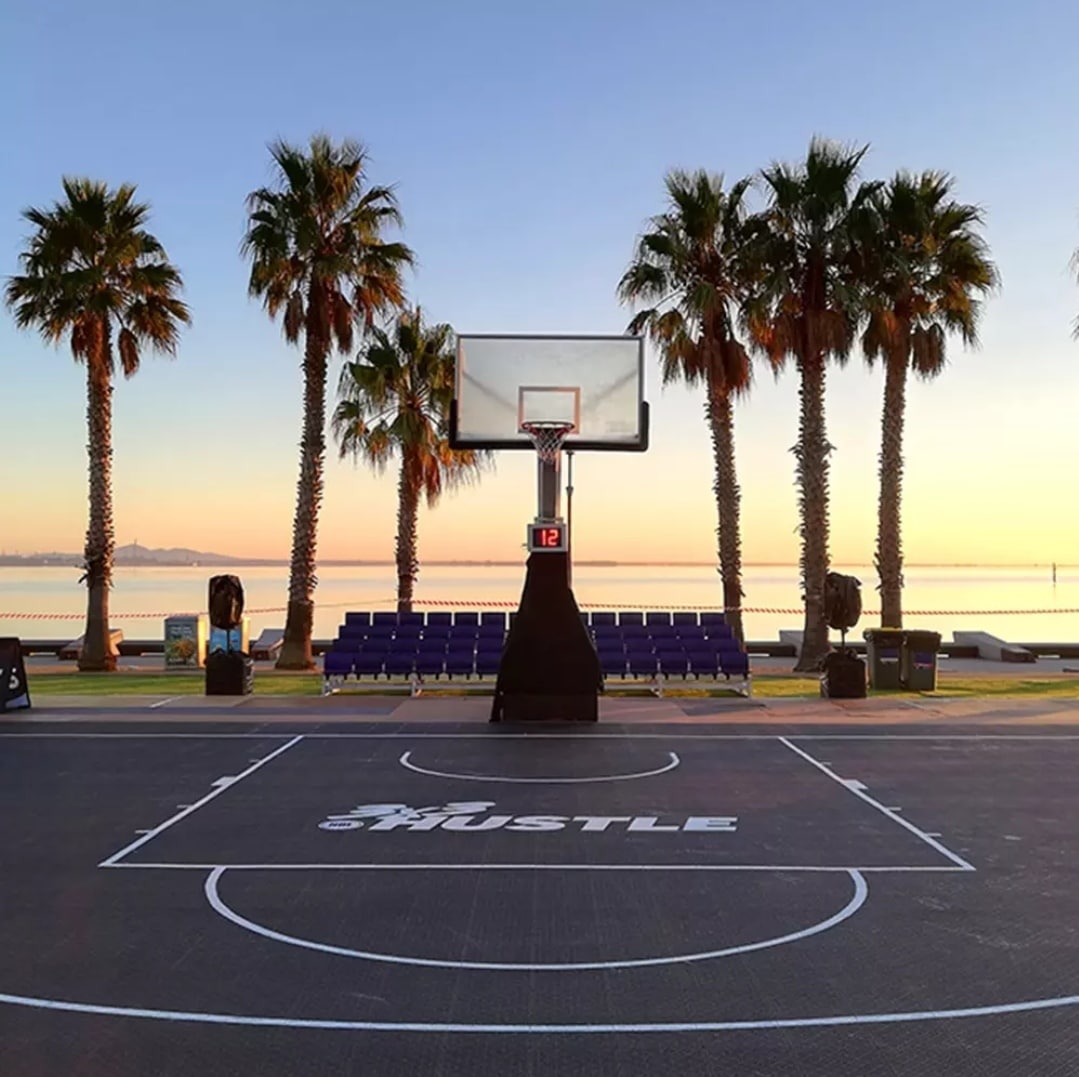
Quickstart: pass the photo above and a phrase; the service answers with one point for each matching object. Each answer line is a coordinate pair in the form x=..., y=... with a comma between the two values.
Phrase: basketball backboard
x=594, y=384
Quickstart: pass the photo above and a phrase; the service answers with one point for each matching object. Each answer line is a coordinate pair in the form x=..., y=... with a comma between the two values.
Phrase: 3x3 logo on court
x=476, y=815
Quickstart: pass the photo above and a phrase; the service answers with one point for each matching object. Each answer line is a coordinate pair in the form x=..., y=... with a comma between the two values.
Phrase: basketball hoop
x=548, y=438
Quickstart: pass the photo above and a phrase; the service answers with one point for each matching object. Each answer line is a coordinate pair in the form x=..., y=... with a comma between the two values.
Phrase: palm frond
x=90, y=267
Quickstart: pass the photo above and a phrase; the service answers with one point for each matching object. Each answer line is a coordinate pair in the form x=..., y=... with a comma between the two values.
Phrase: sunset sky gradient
x=528, y=144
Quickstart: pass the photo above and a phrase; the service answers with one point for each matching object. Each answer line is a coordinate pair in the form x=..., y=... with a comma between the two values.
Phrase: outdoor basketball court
x=301, y=898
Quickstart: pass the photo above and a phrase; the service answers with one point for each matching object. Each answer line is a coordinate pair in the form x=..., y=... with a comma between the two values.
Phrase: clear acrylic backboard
x=595, y=383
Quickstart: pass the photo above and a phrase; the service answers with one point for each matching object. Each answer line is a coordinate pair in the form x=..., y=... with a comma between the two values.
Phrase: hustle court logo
x=474, y=815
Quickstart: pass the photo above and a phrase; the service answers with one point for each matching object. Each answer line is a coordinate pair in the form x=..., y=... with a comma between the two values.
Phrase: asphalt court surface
x=619, y=900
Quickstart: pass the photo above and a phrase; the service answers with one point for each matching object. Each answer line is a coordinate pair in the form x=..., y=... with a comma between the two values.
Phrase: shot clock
x=547, y=538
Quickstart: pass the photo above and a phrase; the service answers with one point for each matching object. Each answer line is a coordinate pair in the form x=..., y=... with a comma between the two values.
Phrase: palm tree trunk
x=812, y=470
x=296, y=646
x=728, y=506
x=96, y=654
x=408, y=503
x=889, y=538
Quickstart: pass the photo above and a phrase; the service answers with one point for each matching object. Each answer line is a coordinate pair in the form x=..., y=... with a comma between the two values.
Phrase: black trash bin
x=884, y=650
x=918, y=665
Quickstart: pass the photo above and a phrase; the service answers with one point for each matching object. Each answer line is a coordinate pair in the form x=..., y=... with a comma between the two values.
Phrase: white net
x=548, y=438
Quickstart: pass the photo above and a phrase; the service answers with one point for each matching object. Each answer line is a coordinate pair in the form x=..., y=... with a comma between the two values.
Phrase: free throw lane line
x=861, y=794
x=406, y=762
x=213, y=896
x=191, y=808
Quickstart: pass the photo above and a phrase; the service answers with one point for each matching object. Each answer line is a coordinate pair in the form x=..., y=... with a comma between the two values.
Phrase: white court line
x=404, y=761
x=162, y=702
x=861, y=892
x=672, y=735
x=215, y=792
x=326, y=1024
x=862, y=795
x=913, y=869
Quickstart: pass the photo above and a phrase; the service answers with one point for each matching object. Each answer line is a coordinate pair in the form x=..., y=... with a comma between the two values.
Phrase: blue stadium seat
x=400, y=663
x=439, y=617
x=631, y=618
x=382, y=630
x=603, y=619
x=673, y=663
x=613, y=663
x=360, y=618
x=466, y=618
x=493, y=617
x=656, y=618
x=431, y=663
x=347, y=645
x=436, y=631
x=337, y=664
x=460, y=663
x=685, y=618
x=384, y=618
x=487, y=663
x=734, y=662
x=642, y=663
x=703, y=663
x=713, y=618
x=369, y=665
x=413, y=618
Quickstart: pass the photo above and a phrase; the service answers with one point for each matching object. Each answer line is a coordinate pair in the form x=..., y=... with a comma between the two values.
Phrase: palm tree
x=924, y=267
x=319, y=259
x=394, y=402
x=91, y=272
x=693, y=268
x=807, y=309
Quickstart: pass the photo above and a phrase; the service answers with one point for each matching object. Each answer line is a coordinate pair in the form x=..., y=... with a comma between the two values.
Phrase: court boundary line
x=913, y=869
x=223, y=909
x=852, y=787
x=673, y=734
x=219, y=787
x=326, y=1024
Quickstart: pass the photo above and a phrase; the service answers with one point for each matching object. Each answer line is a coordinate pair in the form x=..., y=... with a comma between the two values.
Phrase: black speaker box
x=229, y=674
x=844, y=676
x=226, y=602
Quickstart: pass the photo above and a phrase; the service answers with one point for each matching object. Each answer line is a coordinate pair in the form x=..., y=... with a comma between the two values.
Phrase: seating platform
x=465, y=647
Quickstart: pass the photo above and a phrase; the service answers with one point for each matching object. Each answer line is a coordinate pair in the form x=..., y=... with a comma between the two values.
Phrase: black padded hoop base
x=549, y=670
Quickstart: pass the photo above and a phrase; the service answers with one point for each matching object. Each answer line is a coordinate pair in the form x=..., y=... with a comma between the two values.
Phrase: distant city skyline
x=524, y=177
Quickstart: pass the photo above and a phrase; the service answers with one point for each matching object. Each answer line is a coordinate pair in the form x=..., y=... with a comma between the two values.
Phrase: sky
x=528, y=144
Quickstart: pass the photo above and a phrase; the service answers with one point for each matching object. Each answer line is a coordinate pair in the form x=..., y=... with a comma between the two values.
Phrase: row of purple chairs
x=379, y=645
x=415, y=632
x=475, y=617
x=685, y=632
x=466, y=664
x=674, y=663
x=408, y=663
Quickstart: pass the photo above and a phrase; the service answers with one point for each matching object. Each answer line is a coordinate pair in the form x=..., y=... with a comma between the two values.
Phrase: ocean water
x=1022, y=605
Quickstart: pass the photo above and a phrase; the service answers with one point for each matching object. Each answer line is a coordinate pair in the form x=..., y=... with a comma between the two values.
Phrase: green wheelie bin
x=918, y=665
x=884, y=648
